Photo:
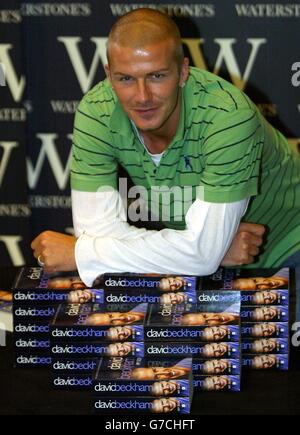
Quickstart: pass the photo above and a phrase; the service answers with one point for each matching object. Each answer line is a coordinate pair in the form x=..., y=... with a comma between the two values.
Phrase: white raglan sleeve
x=107, y=243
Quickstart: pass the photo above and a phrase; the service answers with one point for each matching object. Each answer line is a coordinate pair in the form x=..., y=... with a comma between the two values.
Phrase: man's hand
x=56, y=251
x=245, y=245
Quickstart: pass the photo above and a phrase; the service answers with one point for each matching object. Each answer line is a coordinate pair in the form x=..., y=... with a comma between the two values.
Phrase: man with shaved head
x=171, y=126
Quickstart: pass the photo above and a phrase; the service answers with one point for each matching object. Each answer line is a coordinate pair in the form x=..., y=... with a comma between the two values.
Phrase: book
x=6, y=317
x=29, y=344
x=247, y=279
x=160, y=282
x=266, y=362
x=98, y=349
x=217, y=383
x=269, y=313
x=265, y=345
x=33, y=286
x=32, y=359
x=114, y=322
x=74, y=381
x=265, y=329
x=117, y=377
x=75, y=373
x=23, y=330
x=87, y=365
x=31, y=313
x=142, y=405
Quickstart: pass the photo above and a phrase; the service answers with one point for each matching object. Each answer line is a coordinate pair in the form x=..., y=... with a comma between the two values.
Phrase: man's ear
x=107, y=71
x=184, y=71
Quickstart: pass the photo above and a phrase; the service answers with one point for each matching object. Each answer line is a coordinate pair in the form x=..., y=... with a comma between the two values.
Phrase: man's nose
x=143, y=92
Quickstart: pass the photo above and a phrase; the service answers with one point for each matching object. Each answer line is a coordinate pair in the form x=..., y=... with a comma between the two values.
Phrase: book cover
x=116, y=377
x=266, y=362
x=202, y=322
x=111, y=322
x=33, y=286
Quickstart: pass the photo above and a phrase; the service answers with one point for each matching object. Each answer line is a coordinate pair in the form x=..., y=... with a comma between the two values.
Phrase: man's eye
x=125, y=79
x=158, y=76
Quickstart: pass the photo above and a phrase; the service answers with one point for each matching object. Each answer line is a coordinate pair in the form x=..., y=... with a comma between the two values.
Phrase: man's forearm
x=198, y=250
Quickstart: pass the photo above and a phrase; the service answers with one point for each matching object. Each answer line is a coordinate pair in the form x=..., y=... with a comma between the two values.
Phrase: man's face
x=158, y=373
x=260, y=283
x=215, y=366
x=66, y=283
x=264, y=361
x=263, y=330
x=120, y=349
x=146, y=81
x=173, y=298
x=164, y=388
x=215, y=333
x=171, y=283
x=265, y=297
x=264, y=314
x=264, y=345
x=80, y=296
x=215, y=350
x=164, y=405
x=216, y=383
x=119, y=333
x=209, y=319
x=114, y=318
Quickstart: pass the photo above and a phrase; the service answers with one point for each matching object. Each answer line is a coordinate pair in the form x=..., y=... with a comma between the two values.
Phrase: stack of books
x=264, y=313
x=36, y=297
x=135, y=385
x=210, y=333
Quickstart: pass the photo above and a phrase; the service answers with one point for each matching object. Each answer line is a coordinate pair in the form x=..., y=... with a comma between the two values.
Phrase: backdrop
x=52, y=53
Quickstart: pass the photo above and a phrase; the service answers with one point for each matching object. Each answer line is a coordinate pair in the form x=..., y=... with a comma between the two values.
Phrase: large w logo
x=16, y=85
